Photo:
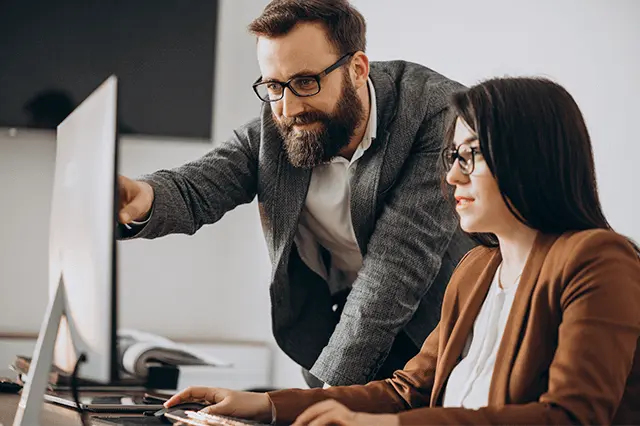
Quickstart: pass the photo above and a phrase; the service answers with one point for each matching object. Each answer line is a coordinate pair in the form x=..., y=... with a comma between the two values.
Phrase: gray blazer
x=407, y=231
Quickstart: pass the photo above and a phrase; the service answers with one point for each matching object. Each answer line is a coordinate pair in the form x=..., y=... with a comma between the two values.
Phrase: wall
x=589, y=46
x=213, y=285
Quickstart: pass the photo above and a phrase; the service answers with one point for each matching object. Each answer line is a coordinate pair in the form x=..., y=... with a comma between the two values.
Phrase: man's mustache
x=306, y=118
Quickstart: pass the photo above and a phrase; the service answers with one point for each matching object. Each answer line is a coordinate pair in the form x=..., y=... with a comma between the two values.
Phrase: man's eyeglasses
x=303, y=85
x=465, y=154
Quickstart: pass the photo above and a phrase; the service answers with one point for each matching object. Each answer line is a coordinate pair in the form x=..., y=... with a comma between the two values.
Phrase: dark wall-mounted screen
x=55, y=53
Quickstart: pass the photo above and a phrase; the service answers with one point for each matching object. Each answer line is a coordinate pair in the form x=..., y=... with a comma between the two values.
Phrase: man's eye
x=306, y=82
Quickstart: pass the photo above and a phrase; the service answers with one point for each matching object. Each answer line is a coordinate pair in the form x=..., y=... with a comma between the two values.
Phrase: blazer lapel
x=518, y=316
x=364, y=189
x=292, y=184
x=365, y=181
x=463, y=326
x=289, y=188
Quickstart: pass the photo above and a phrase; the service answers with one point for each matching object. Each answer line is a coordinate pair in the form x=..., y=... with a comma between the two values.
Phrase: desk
x=51, y=415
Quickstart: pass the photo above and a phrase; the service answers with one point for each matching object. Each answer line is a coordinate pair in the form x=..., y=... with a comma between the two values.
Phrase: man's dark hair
x=345, y=26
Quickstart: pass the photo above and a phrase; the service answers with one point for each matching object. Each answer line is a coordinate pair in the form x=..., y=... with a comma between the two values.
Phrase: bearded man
x=344, y=160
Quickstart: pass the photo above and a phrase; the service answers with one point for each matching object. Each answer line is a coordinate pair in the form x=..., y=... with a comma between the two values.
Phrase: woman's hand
x=246, y=405
x=331, y=412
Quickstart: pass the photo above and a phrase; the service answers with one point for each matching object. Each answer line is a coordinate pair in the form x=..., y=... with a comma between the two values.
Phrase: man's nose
x=291, y=104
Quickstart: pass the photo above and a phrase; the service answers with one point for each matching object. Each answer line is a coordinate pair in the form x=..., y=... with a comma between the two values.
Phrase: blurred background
x=187, y=69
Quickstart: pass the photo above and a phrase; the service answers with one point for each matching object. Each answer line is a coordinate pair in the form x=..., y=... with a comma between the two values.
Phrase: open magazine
x=137, y=349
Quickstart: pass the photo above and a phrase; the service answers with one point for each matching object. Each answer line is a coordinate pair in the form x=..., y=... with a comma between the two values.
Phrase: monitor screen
x=82, y=247
x=55, y=53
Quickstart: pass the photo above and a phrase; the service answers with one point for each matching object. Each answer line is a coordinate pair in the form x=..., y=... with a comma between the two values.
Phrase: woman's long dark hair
x=535, y=142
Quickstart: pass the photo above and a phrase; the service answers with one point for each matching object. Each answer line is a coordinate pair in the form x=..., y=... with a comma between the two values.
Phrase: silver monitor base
x=32, y=398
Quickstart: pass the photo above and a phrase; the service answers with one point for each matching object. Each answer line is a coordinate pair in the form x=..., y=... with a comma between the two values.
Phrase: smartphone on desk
x=152, y=398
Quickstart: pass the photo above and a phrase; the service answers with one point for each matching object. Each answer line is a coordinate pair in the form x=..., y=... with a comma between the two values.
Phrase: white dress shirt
x=468, y=385
x=325, y=219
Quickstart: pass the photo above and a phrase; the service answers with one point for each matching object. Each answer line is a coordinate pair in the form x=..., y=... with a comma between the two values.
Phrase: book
x=141, y=357
x=57, y=376
x=60, y=379
x=138, y=350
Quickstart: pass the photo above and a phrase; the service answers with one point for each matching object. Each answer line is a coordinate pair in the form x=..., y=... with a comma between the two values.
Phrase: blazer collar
x=386, y=96
x=512, y=337
x=512, y=334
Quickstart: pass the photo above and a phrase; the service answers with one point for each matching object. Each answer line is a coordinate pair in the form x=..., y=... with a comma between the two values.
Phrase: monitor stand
x=32, y=398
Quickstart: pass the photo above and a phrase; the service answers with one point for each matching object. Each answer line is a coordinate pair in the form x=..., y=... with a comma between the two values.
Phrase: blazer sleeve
x=410, y=387
x=403, y=258
x=597, y=342
x=202, y=191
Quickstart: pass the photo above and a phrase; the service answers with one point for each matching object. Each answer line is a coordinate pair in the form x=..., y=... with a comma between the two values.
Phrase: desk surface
x=51, y=415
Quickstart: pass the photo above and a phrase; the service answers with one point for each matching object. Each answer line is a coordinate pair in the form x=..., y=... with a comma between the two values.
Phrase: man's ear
x=359, y=69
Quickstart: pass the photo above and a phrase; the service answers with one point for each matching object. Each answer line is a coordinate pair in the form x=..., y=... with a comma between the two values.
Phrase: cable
x=84, y=418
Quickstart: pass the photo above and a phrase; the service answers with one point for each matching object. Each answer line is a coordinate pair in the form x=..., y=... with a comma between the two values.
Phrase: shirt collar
x=372, y=126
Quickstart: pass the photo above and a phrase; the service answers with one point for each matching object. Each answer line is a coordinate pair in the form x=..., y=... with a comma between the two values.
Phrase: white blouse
x=468, y=385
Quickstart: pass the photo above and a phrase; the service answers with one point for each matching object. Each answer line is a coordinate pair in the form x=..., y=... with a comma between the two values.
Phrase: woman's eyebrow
x=468, y=139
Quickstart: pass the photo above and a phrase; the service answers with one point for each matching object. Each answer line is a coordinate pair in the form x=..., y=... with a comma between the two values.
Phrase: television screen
x=53, y=54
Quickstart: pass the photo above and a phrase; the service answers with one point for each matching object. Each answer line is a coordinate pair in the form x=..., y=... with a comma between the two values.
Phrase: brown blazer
x=568, y=354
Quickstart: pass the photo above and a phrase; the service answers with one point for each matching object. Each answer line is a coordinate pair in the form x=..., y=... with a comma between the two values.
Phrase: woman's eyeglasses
x=465, y=154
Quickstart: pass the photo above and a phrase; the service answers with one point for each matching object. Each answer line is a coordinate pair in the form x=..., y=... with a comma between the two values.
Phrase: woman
x=541, y=323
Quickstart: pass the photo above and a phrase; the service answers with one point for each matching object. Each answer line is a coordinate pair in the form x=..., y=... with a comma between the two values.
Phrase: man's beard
x=310, y=148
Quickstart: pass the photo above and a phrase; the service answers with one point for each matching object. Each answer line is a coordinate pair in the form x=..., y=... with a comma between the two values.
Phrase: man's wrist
x=148, y=189
x=144, y=219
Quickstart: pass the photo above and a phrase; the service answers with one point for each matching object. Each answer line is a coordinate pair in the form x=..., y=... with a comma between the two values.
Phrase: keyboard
x=163, y=421
x=129, y=421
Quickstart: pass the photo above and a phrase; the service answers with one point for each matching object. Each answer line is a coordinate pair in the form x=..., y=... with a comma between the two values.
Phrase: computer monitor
x=81, y=314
